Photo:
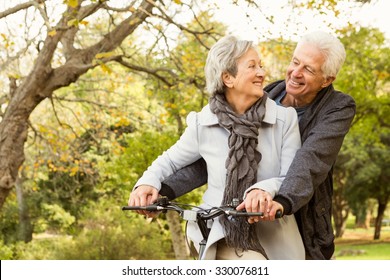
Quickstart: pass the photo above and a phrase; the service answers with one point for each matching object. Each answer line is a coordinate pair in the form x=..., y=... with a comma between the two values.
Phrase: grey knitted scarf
x=241, y=164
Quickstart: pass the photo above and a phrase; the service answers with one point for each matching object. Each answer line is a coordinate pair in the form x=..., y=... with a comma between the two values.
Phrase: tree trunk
x=340, y=211
x=378, y=221
x=13, y=134
x=25, y=228
x=340, y=221
x=178, y=240
x=362, y=217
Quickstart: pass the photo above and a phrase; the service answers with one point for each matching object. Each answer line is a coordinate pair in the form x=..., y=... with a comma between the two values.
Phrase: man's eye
x=309, y=70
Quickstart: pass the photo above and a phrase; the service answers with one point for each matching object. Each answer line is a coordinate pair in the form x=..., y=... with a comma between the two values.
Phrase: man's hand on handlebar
x=258, y=200
x=144, y=195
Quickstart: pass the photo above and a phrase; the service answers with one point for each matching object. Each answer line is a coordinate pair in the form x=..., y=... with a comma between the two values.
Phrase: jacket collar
x=319, y=101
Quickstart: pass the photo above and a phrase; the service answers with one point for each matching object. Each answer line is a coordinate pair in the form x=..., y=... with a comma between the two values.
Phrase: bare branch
x=153, y=72
x=20, y=7
x=58, y=119
x=195, y=33
x=120, y=10
x=82, y=100
x=43, y=13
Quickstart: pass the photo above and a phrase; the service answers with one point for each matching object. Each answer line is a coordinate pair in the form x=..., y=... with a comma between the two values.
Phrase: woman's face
x=248, y=82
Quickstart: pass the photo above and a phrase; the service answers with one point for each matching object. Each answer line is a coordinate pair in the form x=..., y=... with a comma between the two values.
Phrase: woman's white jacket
x=279, y=139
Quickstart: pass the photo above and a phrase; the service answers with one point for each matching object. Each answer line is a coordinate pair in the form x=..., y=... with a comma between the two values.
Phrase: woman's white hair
x=222, y=58
x=332, y=49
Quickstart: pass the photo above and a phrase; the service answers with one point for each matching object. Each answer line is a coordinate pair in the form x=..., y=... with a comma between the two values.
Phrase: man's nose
x=297, y=71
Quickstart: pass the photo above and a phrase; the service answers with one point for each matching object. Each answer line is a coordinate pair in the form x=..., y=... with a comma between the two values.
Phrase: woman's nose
x=260, y=71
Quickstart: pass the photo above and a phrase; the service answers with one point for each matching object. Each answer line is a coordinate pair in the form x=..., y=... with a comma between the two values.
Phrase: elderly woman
x=248, y=143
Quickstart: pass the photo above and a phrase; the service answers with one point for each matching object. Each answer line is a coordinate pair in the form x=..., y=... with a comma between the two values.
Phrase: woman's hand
x=144, y=195
x=258, y=200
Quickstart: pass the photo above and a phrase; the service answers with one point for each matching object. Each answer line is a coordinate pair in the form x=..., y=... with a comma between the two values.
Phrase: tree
x=61, y=58
x=363, y=162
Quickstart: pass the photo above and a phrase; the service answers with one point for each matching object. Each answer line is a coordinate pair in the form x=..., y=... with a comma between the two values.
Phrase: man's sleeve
x=318, y=153
x=185, y=180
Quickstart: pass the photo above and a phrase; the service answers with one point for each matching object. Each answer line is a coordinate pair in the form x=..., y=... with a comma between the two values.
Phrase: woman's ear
x=227, y=79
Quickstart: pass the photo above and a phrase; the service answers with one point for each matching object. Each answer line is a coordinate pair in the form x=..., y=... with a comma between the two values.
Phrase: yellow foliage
x=52, y=33
x=14, y=75
x=122, y=122
x=74, y=170
x=52, y=167
x=134, y=21
x=105, y=68
x=61, y=169
x=104, y=55
x=162, y=119
x=72, y=3
x=73, y=22
x=64, y=157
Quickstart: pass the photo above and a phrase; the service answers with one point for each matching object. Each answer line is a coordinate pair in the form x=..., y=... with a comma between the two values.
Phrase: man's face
x=304, y=77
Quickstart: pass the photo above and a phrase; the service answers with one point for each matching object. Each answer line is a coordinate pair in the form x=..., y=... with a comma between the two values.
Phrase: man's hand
x=144, y=195
x=258, y=200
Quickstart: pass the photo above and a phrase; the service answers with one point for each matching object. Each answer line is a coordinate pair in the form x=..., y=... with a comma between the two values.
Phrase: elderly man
x=325, y=116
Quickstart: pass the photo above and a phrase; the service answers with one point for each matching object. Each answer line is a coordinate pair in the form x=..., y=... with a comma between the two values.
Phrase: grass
x=359, y=244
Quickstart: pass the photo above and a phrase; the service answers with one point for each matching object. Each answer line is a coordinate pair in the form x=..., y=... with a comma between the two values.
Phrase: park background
x=92, y=91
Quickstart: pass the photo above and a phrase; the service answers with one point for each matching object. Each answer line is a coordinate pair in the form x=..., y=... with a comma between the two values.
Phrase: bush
x=107, y=234
x=6, y=252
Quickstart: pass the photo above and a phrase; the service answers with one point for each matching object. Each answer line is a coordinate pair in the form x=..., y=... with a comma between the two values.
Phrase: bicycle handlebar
x=200, y=216
x=163, y=204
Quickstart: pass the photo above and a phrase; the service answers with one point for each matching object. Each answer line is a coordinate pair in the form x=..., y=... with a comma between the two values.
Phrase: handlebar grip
x=236, y=213
x=244, y=213
x=150, y=208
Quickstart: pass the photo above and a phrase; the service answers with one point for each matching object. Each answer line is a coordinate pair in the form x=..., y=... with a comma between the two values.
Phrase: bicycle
x=200, y=216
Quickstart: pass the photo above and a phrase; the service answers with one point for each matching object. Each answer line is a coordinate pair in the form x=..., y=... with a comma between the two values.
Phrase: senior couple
x=272, y=147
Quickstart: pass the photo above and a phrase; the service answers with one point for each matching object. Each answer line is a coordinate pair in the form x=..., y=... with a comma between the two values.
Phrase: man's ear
x=227, y=79
x=328, y=81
